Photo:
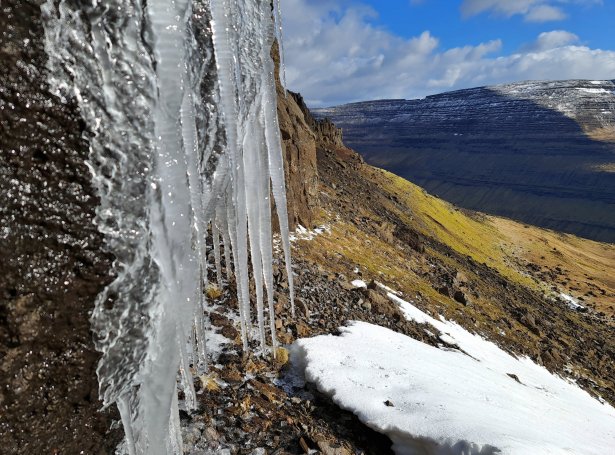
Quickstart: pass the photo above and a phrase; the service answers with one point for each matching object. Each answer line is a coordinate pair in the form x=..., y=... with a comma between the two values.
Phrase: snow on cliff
x=468, y=397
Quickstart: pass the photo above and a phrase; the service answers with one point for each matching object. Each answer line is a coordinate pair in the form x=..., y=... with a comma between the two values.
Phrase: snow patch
x=593, y=91
x=478, y=399
x=572, y=302
x=387, y=289
x=302, y=233
x=359, y=284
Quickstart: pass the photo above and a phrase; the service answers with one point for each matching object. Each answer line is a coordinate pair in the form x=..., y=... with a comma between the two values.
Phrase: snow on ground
x=593, y=91
x=574, y=305
x=359, y=284
x=387, y=289
x=477, y=399
x=302, y=233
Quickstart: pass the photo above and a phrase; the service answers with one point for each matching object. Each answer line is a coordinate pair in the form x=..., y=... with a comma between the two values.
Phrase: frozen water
x=180, y=105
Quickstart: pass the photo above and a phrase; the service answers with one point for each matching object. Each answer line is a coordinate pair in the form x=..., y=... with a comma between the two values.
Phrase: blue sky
x=349, y=50
x=592, y=21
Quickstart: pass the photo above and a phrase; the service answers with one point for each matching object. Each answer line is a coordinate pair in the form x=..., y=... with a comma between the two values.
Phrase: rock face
x=539, y=152
x=299, y=143
x=325, y=130
x=53, y=266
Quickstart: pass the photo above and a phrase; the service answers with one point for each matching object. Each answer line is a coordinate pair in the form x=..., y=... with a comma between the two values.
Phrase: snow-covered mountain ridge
x=591, y=103
x=511, y=150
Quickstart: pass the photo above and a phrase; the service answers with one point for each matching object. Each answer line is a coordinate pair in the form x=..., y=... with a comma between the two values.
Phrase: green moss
x=473, y=236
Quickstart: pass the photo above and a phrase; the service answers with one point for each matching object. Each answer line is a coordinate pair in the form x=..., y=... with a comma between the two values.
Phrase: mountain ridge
x=538, y=152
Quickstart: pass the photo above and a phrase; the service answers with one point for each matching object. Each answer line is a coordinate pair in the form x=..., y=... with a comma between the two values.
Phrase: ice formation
x=179, y=103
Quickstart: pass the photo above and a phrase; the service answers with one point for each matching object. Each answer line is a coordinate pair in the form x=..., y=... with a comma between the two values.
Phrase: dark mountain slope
x=542, y=153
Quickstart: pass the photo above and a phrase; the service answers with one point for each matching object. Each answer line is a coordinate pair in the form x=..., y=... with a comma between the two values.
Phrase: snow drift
x=468, y=397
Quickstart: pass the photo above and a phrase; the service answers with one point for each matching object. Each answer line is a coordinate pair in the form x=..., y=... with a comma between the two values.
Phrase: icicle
x=123, y=405
x=187, y=383
x=199, y=345
x=240, y=248
x=176, y=142
x=266, y=244
x=226, y=240
x=241, y=296
x=252, y=150
x=276, y=161
x=176, y=445
x=225, y=50
x=279, y=34
x=215, y=233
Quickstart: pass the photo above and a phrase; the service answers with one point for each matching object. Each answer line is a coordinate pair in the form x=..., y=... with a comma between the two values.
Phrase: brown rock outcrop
x=299, y=144
x=325, y=130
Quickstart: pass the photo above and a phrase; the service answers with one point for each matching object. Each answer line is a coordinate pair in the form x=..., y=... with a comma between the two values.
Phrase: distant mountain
x=539, y=152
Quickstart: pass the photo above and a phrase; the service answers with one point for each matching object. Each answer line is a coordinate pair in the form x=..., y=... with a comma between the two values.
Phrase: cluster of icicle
x=180, y=105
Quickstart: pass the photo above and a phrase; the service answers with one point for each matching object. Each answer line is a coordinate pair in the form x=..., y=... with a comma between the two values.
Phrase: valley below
x=538, y=152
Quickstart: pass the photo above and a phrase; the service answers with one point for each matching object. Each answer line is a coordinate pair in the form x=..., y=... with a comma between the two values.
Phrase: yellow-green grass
x=510, y=247
x=474, y=236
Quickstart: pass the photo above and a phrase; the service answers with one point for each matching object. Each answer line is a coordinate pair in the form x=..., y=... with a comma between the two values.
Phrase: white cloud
x=545, y=13
x=532, y=10
x=552, y=40
x=335, y=55
x=506, y=8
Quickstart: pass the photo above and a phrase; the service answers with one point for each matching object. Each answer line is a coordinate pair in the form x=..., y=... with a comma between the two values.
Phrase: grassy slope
x=534, y=257
x=508, y=271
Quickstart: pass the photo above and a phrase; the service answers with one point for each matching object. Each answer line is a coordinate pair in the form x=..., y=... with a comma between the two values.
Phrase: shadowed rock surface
x=53, y=266
x=539, y=152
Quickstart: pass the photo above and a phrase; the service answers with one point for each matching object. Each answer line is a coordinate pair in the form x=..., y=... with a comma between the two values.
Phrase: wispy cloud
x=545, y=13
x=531, y=10
x=552, y=40
x=335, y=55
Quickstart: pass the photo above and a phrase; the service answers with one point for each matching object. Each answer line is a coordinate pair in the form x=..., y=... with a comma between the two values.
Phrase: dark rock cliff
x=52, y=264
x=542, y=153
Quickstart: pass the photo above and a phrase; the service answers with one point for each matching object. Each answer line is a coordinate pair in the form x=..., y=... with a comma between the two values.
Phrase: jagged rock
x=302, y=330
x=382, y=305
x=444, y=290
x=272, y=394
x=410, y=237
x=529, y=321
x=299, y=144
x=460, y=297
x=365, y=304
x=332, y=448
x=304, y=445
